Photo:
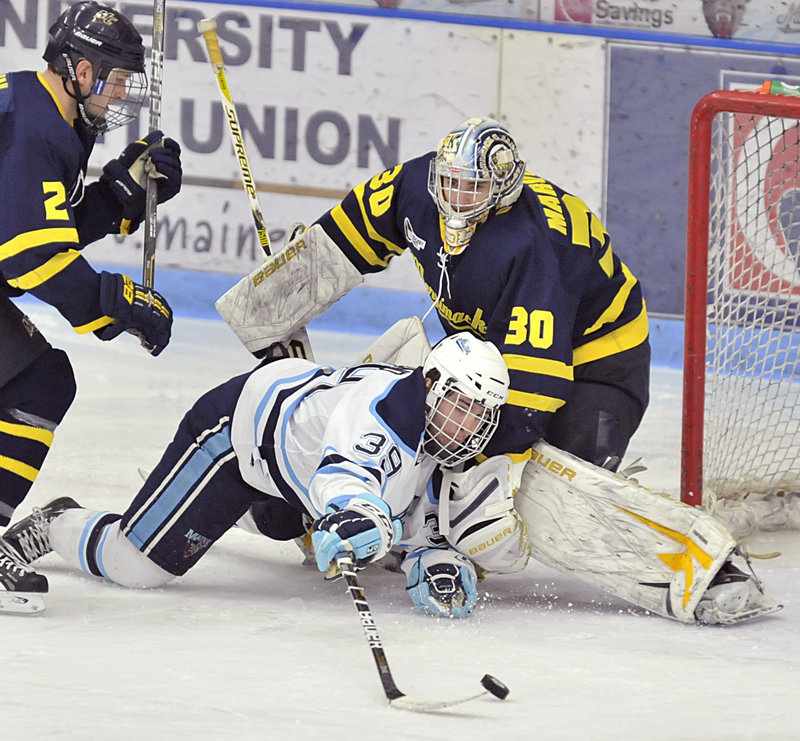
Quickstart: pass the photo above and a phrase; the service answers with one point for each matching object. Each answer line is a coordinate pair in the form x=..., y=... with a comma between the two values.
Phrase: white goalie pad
x=289, y=290
x=404, y=343
x=477, y=516
x=637, y=544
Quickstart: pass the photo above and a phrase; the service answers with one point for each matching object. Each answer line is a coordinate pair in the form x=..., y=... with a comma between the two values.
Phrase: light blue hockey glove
x=361, y=525
x=441, y=582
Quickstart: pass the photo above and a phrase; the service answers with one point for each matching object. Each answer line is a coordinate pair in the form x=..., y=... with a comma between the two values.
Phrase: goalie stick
x=398, y=699
x=299, y=344
x=151, y=203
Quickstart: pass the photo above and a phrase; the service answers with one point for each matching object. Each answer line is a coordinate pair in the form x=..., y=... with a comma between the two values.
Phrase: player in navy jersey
x=349, y=450
x=504, y=254
x=95, y=81
x=514, y=259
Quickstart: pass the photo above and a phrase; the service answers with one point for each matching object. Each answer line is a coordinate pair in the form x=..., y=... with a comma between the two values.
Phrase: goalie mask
x=476, y=168
x=468, y=383
x=109, y=41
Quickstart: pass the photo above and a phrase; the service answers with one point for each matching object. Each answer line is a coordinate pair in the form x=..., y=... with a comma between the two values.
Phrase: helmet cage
x=457, y=427
x=476, y=168
x=467, y=384
x=113, y=46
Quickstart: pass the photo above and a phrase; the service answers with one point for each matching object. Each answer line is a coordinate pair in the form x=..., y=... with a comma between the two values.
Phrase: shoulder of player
x=31, y=101
x=554, y=211
x=399, y=401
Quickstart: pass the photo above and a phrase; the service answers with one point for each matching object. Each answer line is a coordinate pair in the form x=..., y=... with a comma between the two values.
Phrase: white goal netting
x=751, y=387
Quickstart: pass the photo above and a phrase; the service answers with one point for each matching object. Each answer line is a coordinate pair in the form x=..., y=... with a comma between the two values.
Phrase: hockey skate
x=29, y=538
x=22, y=590
x=734, y=596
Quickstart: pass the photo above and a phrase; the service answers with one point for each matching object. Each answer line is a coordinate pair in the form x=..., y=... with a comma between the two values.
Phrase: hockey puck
x=494, y=686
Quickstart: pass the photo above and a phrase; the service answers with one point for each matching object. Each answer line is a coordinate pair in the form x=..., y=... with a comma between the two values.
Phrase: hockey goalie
x=647, y=548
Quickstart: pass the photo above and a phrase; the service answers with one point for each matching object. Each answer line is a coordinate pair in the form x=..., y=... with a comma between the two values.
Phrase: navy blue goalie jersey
x=47, y=214
x=539, y=280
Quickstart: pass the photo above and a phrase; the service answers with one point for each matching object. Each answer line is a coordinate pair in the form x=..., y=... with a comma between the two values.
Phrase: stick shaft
x=208, y=28
x=151, y=202
x=356, y=592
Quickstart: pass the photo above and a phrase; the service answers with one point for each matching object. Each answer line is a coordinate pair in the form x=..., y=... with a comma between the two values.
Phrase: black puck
x=494, y=686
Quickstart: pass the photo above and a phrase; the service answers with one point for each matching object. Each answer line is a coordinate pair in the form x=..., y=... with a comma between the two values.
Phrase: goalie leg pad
x=637, y=544
x=289, y=290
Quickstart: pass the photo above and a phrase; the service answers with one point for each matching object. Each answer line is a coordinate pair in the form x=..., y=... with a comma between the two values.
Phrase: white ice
x=252, y=645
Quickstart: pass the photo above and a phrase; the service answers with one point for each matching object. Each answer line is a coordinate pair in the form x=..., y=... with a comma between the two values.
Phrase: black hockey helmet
x=104, y=37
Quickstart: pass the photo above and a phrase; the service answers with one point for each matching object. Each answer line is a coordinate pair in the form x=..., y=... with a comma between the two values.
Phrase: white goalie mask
x=468, y=385
x=476, y=168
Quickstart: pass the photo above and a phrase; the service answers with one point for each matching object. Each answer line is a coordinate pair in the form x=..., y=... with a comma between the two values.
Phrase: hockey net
x=741, y=396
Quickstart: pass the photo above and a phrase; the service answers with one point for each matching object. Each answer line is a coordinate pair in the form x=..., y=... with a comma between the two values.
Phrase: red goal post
x=741, y=376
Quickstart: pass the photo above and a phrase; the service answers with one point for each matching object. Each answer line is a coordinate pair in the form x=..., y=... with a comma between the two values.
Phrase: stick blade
x=417, y=705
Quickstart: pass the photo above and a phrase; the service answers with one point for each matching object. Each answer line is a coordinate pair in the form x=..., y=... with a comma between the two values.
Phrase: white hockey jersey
x=311, y=434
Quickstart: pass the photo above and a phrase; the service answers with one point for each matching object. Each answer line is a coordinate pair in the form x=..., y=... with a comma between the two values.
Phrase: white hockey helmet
x=476, y=168
x=468, y=385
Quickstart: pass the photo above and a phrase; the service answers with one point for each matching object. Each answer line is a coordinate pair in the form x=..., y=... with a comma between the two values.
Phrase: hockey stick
x=151, y=204
x=299, y=344
x=398, y=699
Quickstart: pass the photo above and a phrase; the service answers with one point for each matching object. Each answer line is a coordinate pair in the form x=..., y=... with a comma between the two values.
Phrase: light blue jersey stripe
x=191, y=473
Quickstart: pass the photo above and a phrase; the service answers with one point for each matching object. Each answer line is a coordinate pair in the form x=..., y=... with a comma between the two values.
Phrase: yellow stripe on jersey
x=27, y=431
x=534, y=401
x=542, y=366
x=630, y=335
x=21, y=469
x=612, y=313
x=43, y=273
x=355, y=237
x=103, y=321
x=53, y=96
x=607, y=261
x=36, y=238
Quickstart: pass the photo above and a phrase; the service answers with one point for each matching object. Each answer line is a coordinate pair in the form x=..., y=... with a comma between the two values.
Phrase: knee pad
x=596, y=424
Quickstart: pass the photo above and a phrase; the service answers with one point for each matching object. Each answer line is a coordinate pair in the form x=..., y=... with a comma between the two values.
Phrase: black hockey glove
x=126, y=177
x=136, y=309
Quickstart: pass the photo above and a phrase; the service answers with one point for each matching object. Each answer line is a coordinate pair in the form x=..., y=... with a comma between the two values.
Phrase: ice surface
x=252, y=645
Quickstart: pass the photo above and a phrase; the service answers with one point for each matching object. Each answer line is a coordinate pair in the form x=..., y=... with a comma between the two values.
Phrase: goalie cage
x=741, y=377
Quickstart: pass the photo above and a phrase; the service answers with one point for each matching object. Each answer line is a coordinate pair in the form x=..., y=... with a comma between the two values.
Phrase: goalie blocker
x=291, y=288
x=648, y=548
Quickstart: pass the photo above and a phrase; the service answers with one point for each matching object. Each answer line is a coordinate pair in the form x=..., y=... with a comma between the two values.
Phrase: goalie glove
x=441, y=582
x=361, y=526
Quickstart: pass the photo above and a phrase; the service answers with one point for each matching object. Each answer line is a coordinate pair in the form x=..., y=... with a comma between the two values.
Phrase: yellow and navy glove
x=135, y=309
x=126, y=177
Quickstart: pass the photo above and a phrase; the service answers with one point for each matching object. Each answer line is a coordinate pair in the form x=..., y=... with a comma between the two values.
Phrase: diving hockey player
x=505, y=255
x=94, y=82
x=348, y=449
